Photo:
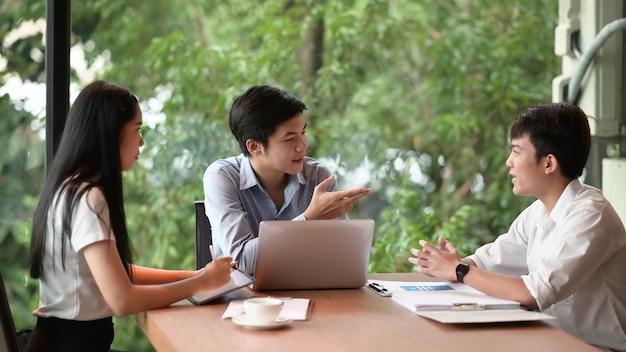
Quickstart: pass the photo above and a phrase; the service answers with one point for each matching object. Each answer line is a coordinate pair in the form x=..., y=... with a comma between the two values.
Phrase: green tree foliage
x=22, y=157
x=411, y=98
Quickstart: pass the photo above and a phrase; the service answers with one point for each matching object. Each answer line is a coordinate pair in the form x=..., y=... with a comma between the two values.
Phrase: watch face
x=461, y=270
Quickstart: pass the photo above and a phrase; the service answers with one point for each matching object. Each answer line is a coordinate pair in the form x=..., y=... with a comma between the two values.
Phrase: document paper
x=421, y=296
x=451, y=302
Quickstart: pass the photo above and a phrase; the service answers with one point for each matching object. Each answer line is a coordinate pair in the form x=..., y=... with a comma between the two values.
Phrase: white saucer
x=277, y=324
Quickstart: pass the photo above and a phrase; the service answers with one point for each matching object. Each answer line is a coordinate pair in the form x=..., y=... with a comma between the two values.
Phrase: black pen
x=380, y=289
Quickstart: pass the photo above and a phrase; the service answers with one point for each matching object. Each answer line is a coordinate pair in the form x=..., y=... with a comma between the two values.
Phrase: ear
x=254, y=148
x=551, y=164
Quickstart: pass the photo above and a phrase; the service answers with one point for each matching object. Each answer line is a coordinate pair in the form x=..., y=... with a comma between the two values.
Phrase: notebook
x=313, y=254
x=238, y=279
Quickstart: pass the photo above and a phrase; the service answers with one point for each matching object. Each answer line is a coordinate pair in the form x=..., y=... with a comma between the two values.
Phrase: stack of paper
x=449, y=302
x=448, y=296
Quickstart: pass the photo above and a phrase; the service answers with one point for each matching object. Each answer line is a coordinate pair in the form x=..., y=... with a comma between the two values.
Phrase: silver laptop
x=313, y=254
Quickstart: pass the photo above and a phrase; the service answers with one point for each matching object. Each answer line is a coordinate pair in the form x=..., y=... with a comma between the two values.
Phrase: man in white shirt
x=565, y=254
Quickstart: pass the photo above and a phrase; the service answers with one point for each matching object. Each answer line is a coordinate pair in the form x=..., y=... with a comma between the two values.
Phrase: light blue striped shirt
x=236, y=203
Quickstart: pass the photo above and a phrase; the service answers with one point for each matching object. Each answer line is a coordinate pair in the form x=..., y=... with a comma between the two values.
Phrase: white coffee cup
x=262, y=310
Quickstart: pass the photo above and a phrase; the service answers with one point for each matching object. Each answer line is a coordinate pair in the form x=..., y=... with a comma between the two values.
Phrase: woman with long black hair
x=80, y=248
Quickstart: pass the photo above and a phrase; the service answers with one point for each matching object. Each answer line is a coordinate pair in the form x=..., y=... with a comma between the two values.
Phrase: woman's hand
x=217, y=273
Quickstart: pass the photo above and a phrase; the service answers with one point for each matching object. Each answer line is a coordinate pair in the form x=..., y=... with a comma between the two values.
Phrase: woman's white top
x=72, y=293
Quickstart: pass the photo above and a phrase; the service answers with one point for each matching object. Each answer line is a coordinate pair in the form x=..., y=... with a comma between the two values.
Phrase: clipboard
x=454, y=303
x=484, y=316
x=238, y=279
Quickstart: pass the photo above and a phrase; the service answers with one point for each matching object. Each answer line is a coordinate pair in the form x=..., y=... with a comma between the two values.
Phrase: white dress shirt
x=573, y=262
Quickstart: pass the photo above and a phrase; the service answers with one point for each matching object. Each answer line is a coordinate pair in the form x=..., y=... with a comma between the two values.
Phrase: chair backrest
x=8, y=336
x=203, y=236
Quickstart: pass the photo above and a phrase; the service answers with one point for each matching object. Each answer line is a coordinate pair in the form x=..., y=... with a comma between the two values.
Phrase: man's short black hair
x=256, y=113
x=560, y=129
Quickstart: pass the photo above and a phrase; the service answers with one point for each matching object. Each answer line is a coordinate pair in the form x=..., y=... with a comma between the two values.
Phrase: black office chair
x=203, y=236
x=8, y=336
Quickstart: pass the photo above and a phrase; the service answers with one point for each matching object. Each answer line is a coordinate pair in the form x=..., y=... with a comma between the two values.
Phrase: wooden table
x=346, y=320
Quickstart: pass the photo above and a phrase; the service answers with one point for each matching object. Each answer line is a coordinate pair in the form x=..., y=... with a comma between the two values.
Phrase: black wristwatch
x=461, y=270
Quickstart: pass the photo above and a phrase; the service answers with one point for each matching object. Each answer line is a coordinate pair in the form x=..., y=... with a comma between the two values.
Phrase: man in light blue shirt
x=272, y=179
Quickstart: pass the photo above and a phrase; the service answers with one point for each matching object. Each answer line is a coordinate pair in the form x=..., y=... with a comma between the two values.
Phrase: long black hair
x=88, y=157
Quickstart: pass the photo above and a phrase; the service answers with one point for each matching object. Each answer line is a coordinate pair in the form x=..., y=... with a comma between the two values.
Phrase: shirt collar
x=568, y=195
x=298, y=177
x=248, y=179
